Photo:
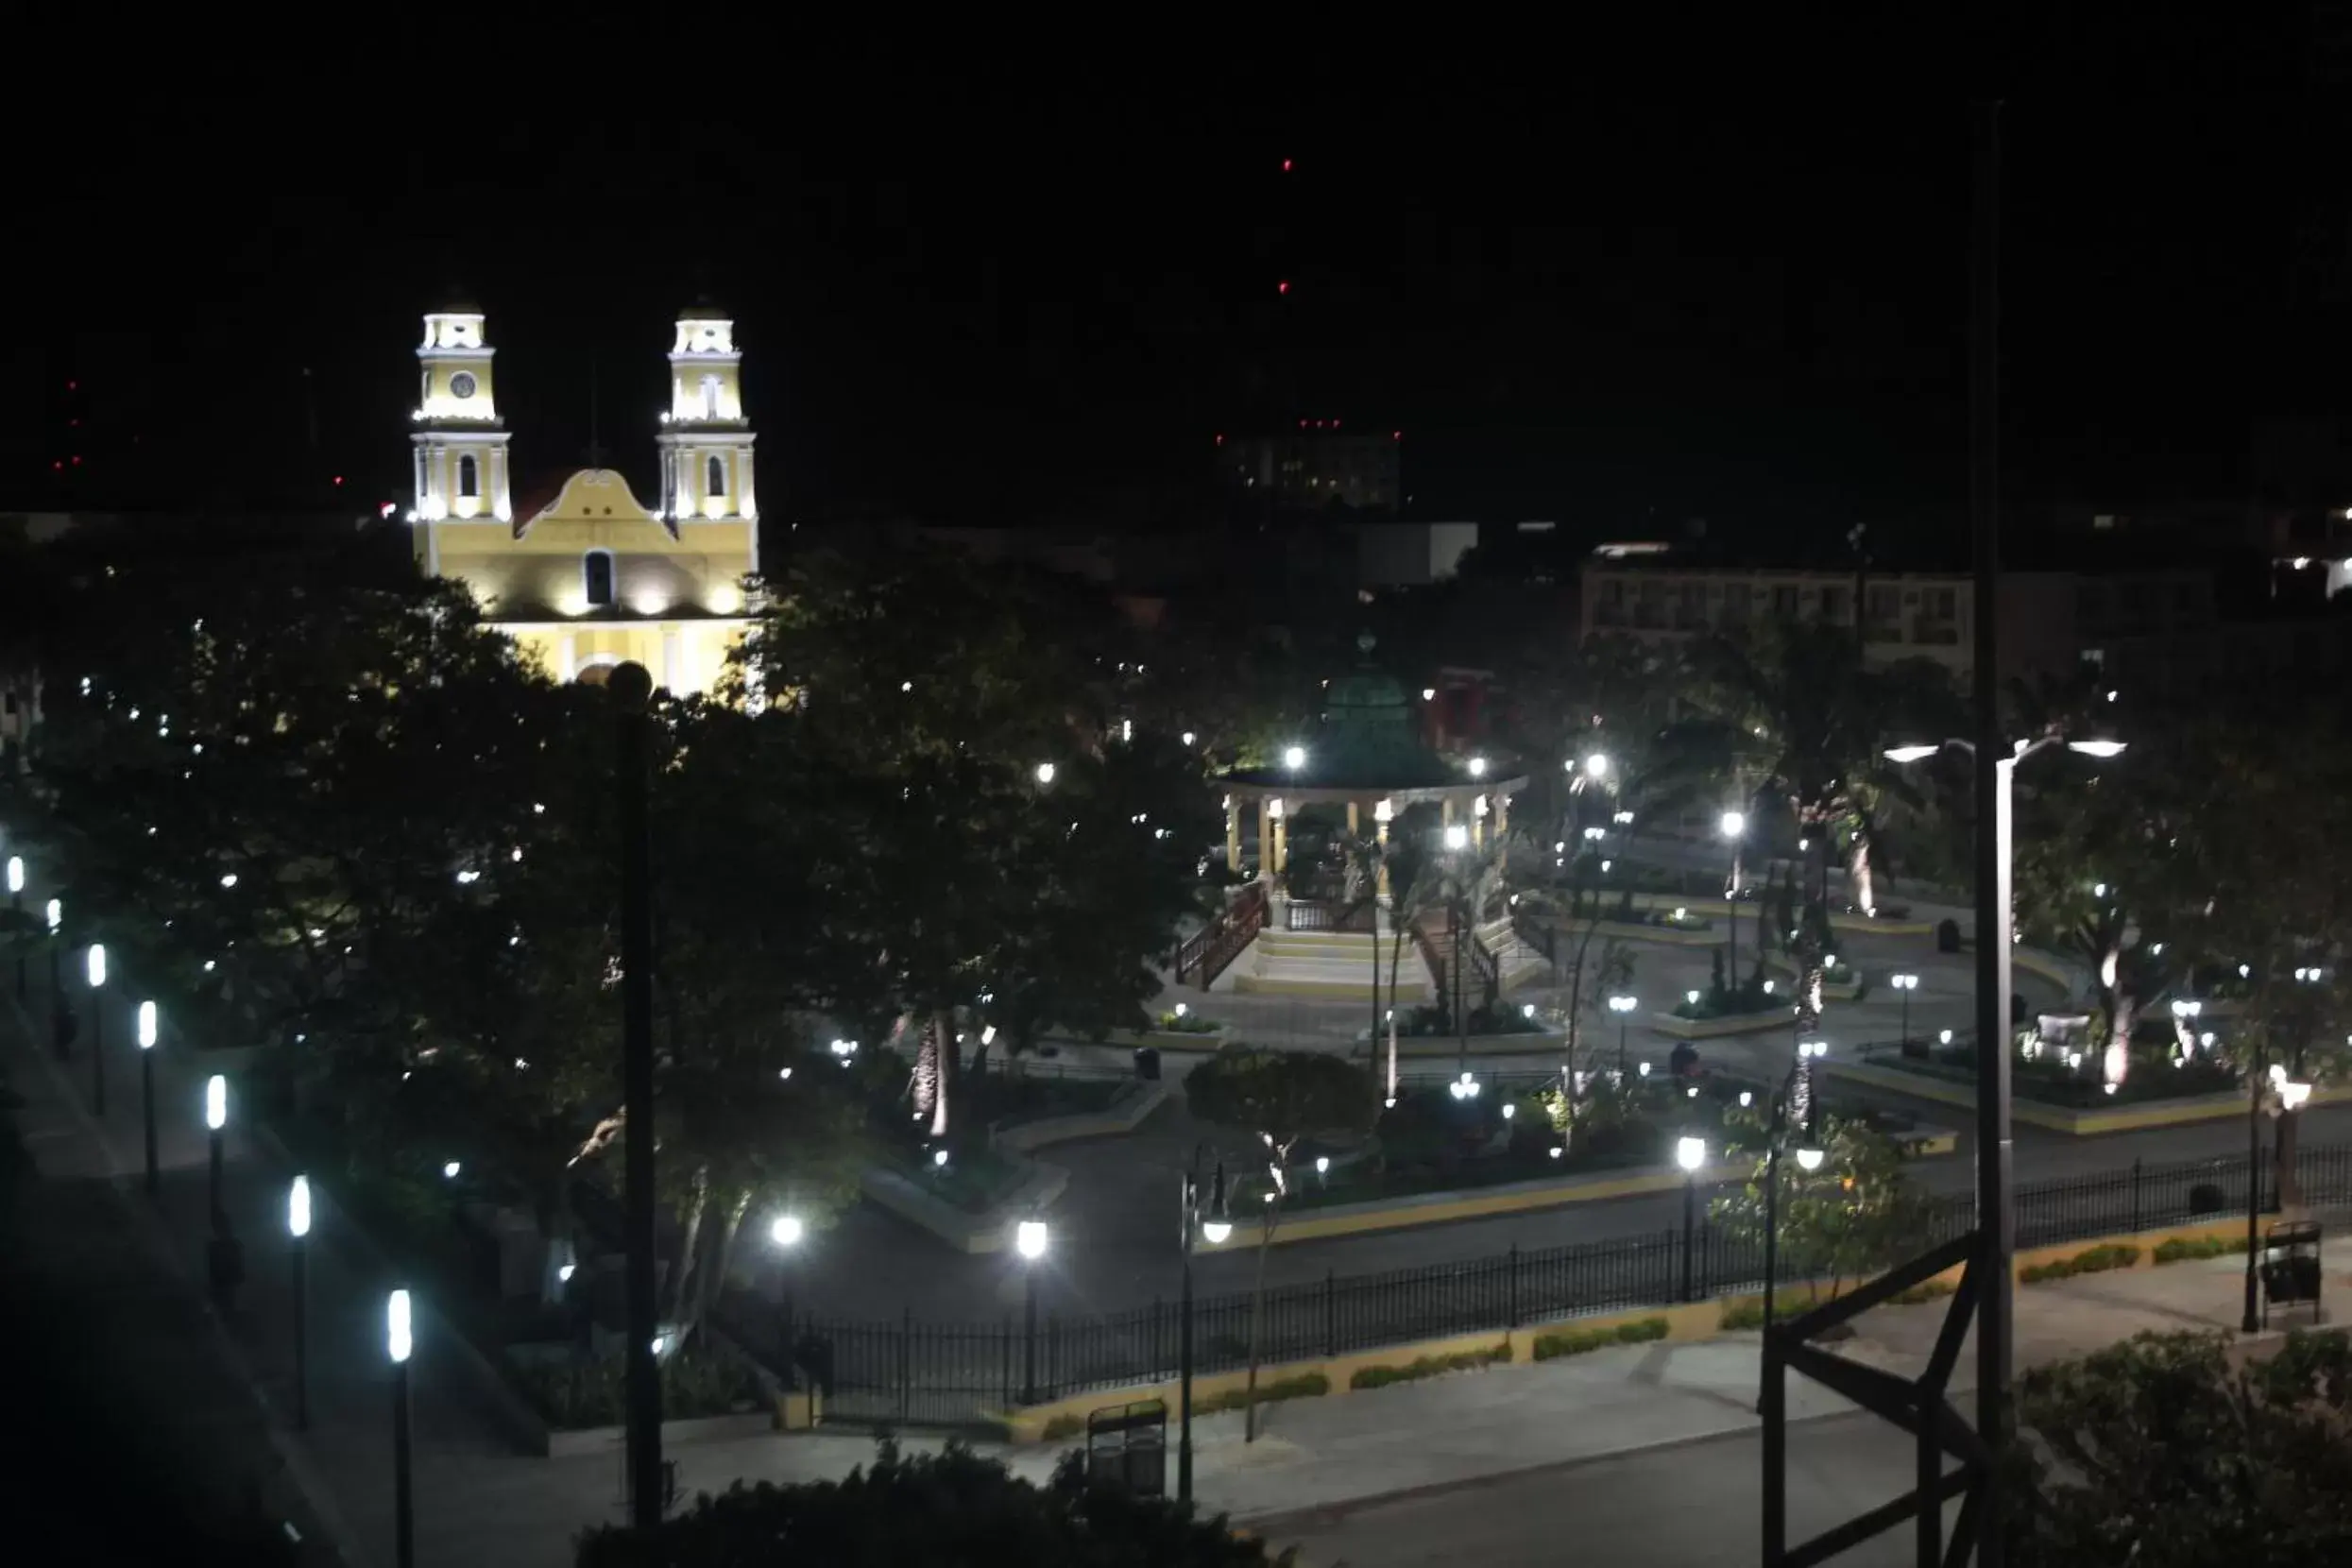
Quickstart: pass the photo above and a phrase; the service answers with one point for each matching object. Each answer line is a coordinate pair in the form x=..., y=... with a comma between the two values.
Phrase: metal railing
x=962, y=1374
x=1202, y=956
x=1306, y=914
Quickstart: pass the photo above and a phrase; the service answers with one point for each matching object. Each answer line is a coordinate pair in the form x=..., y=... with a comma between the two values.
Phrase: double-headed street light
x=1907, y=985
x=1211, y=1225
x=1622, y=1007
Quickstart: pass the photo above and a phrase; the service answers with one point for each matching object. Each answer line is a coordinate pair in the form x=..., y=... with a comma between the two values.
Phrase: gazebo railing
x=1488, y=964
x=1534, y=933
x=1320, y=915
x=1202, y=956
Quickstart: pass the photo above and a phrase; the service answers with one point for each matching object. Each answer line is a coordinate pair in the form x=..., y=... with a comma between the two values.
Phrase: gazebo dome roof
x=1369, y=739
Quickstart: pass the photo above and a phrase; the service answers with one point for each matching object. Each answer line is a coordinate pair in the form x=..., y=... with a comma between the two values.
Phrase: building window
x=596, y=578
x=718, y=478
x=468, y=477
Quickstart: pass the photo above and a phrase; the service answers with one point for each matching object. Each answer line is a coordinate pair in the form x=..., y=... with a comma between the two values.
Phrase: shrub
x=2094, y=1260
x=1304, y=1385
x=1429, y=1366
x=1064, y=1425
x=1189, y=1023
x=1580, y=1342
x=2173, y=1249
x=574, y=1395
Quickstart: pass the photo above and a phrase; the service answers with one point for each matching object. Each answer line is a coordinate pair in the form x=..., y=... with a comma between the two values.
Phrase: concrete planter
x=1135, y=1101
x=606, y=1440
x=1669, y=936
x=2086, y=1121
x=1718, y=1028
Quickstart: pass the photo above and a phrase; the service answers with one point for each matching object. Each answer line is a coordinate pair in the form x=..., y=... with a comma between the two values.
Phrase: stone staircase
x=1328, y=967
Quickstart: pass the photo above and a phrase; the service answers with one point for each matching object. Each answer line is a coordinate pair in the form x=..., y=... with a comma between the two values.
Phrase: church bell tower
x=705, y=441
x=460, y=441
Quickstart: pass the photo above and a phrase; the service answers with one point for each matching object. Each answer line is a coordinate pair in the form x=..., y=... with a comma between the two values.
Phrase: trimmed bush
x=1063, y=1426
x=1429, y=1366
x=1749, y=1312
x=2094, y=1260
x=576, y=1395
x=1578, y=1341
x=1304, y=1385
x=2175, y=1249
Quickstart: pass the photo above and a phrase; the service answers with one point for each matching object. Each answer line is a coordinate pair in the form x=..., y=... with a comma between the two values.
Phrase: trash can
x=1948, y=936
x=1147, y=1064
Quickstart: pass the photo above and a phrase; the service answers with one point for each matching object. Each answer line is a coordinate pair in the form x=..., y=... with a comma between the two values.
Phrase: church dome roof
x=702, y=310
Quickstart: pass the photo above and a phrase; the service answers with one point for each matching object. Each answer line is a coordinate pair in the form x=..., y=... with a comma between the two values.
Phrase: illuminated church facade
x=586, y=575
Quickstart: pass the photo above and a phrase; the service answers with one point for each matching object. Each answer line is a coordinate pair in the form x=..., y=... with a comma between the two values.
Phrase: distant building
x=583, y=575
x=1316, y=466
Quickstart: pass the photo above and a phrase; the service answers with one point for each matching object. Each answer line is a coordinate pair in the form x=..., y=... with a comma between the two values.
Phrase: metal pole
x=146, y=1102
x=213, y=1153
x=1994, y=768
x=1624, y=1022
x=97, y=1052
x=629, y=686
x=1028, y=1334
x=1906, y=1015
x=2251, y=1322
x=302, y=1335
x=1183, y=1344
x=403, y=1504
x=16, y=906
x=784, y=1323
x=1772, y=1223
x=1690, y=1225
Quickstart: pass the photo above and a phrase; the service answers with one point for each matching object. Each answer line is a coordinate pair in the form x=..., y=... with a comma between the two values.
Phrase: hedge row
x=1429, y=1366
x=2095, y=1260
x=1578, y=1341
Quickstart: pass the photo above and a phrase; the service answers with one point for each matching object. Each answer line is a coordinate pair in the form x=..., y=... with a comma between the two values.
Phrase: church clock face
x=461, y=384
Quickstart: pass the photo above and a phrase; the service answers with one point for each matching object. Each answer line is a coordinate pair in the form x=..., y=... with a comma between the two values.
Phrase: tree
x=913, y=1512
x=1855, y=1215
x=2158, y=1453
x=1278, y=1097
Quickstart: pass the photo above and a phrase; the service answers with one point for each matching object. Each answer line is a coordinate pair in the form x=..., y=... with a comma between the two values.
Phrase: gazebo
x=1366, y=754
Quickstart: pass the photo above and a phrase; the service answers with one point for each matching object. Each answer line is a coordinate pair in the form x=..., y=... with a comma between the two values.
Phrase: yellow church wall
x=683, y=656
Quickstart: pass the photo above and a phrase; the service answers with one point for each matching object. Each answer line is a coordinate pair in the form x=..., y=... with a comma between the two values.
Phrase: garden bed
x=584, y=1402
x=2047, y=1079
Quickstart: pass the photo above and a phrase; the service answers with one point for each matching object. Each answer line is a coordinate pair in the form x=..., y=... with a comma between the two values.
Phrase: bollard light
x=216, y=1102
x=1029, y=1239
x=1808, y=1157
x=146, y=1025
x=298, y=1207
x=397, y=1339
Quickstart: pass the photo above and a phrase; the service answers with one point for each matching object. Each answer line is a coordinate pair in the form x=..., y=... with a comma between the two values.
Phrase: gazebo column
x=1232, y=835
x=1478, y=822
x=1502, y=818
x=1381, y=813
x=1264, y=839
x=1445, y=812
x=1354, y=826
x=1282, y=841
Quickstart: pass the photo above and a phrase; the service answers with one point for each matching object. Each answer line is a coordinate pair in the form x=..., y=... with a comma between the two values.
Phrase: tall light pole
x=1029, y=1239
x=1734, y=825
x=299, y=1233
x=215, y=1122
x=95, y=967
x=630, y=686
x=16, y=906
x=1214, y=1227
x=57, y=1013
x=147, y=1089
x=1622, y=1007
x=399, y=1340
x=1905, y=984
x=1691, y=1155
x=785, y=1233
x=1458, y=839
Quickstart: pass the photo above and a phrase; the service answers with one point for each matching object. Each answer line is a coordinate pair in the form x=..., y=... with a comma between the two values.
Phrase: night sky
x=1044, y=309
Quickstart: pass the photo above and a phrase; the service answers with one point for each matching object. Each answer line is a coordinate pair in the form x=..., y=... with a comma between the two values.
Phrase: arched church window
x=596, y=578
x=468, y=477
x=718, y=477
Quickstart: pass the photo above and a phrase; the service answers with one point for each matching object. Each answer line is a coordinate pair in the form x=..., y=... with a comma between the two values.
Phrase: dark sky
x=996, y=307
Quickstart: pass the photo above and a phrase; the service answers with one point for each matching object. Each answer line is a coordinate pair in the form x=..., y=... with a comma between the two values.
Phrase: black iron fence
x=966, y=1374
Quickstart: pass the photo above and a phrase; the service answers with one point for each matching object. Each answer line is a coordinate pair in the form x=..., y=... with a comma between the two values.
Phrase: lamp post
x=1029, y=1239
x=147, y=1089
x=1691, y=1155
x=216, y=1120
x=57, y=1013
x=95, y=963
x=1622, y=1007
x=785, y=1233
x=1995, y=1151
x=399, y=1341
x=1458, y=839
x=298, y=1234
x=1215, y=1227
x=1735, y=824
x=16, y=906
x=1907, y=985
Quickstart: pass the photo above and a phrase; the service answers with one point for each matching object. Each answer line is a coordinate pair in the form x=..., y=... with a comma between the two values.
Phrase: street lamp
x=1045, y=773
x=1691, y=1155
x=58, y=1014
x=1597, y=766
x=1735, y=824
x=1907, y=985
x=1622, y=1007
x=1457, y=836
x=16, y=906
x=1029, y=1239
x=1294, y=758
x=146, y=1086
x=1995, y=1148
x=1214, y=1227
x=785, y=1233
x=399, y=1340
x=298, y=1228
x=1478, y=767
x=216, y=1119
x=94, y=960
